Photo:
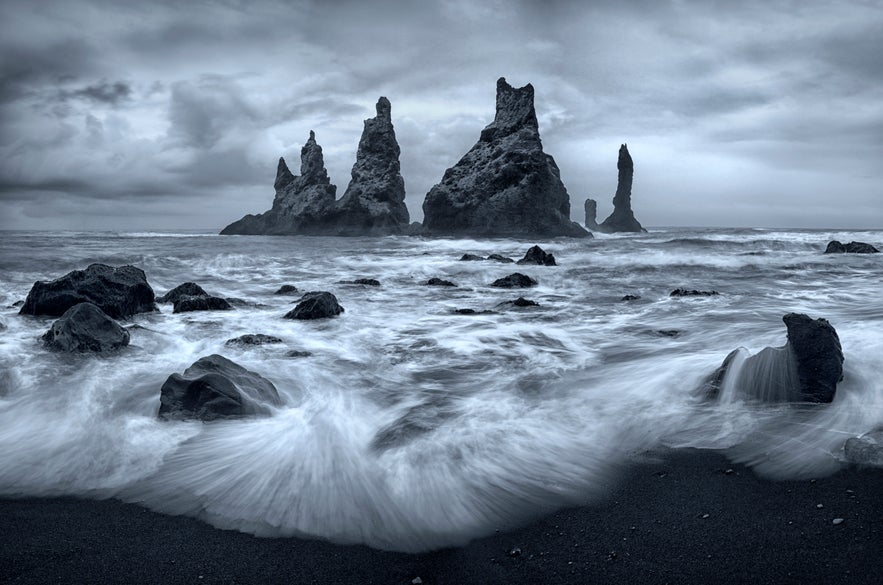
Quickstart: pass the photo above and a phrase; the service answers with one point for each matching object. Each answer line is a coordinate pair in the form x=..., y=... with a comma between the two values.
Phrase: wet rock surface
x=514, y=280
x=835, y=247
x=316, y=305
x=187, y=304
x=85, y=328
x=188, y=289
x=536, y=255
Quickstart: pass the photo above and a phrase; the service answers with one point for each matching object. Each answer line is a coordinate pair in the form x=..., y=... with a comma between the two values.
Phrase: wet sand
x=682, y=517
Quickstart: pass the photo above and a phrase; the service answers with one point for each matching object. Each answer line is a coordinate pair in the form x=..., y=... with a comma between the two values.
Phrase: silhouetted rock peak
x=384, y=109
x=591, y=208
x=623, y=219
x=283, y=175
x=505, y=185
x=312, y=163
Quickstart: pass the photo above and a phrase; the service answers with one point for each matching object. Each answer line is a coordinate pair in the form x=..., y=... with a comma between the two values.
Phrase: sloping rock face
x=374, y=201
x=806, y=369
x=591, y=209
x=303, y=204
x=85, y=328
x=505, y=185
x=536, y=255
x=119, y=292
x=623, y=218
x=216, y=388
x=188, y=289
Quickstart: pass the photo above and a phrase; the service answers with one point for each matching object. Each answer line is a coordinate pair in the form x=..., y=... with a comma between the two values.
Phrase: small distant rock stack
x=623, y=218
x=505, y=185
x=591, y=207
x=302, y=204
x=374, y=202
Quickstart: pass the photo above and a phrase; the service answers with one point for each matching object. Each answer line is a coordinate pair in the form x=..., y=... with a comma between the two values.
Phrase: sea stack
x=374, y=202
x=623, y=218
x=302, y=204
x=591, y=207
x=505, y=185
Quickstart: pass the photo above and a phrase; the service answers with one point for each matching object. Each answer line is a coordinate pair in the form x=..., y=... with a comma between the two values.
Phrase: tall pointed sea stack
x=374, y=202
x=505, y=185
x=302, y=203
x=591, y=208
x=623, y=218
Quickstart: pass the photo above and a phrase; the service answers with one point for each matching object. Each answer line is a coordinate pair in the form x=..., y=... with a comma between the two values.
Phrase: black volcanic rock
x=505, y=185
x=188, y=289
x=186, y=304
x=519, y=302
x=316, y=305
x=630, y=298
x=835, y=247
x=500, y=258
x=216, y=388
x=806, y=369
x=374, y=201
x=623, y=219
x=286, y=289
x=470, y=258
x=683, y=292
x=514, y=280
x=303, y=204
x=253, y=339
x=120, y=292
x=362, y=281
x=536, y=255
x=591, y=209
x=85, y=327
x=866, y=449
x=439, y=282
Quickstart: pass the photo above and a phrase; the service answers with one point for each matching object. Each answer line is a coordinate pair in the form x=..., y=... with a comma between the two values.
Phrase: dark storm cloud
x=107, y=93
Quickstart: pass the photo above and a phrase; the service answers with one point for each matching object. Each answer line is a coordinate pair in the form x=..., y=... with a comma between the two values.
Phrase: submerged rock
x=505, y=185
x=537, y=255
x=470, y=258
x=439, y=282
x=623, y=218
x=303, y=203
x=631, y=298
x=806, y=369
x=514, y=280
x=519, y=302
x=500, y=258
x=835, y=247
x=253, y=339
x=85, y=327
x=188, y=289
x=374, y=201
x=286, y=289
x=591, y=209
x=120, y=292
x=316, y=305
x=683, y=292
x=216, y=388
x=362, y=281
x=186, y=304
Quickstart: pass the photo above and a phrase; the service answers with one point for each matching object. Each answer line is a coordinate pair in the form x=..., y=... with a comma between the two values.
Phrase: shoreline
x=682, y=517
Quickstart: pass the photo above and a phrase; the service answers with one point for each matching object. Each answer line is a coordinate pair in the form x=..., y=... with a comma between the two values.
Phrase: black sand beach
x=685, y=517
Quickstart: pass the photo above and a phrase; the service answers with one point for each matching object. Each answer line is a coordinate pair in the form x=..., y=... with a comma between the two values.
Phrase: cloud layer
x=168, y=116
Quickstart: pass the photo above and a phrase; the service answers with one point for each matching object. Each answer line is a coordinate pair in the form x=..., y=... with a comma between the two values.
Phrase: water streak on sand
x=410, y=427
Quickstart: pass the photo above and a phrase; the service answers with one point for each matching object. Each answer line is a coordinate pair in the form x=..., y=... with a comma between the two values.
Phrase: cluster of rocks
x=835, y=247
x=506, y=185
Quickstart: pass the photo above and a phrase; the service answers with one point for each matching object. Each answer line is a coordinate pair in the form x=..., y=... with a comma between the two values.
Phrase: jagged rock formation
x=505, y=185
x=216, y=388
x=806, y=369
x=536, y=255
x=623, y=218
x=374, y=201
x=120, y=292
x=85, y=327
x=591, y=207
x=303, y=204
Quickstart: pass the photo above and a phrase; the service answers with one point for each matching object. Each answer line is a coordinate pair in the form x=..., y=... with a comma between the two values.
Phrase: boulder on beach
x=286, y=289
x=216, y=388
x=253, y=339
x=866, y=449
x=514, y=280
x=505, y=185
x=85, y=328
x=186, y=304
x=439, y=282
x=835, y=247
x=536, y=255
x=806, y=369
x=623, y=218
x=316, y=305
x=188, y=289
x=120, y=292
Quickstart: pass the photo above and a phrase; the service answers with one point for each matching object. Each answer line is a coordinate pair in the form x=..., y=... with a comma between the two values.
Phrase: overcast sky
x=156, y=115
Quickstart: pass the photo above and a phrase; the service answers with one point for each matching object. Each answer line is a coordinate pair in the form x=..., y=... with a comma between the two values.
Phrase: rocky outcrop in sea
x=373, y=204
x=85, y=328
x=623, y=218
x=505, y=185
x=591, y=209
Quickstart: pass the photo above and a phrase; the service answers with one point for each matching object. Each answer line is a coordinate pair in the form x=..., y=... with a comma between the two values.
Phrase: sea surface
x=410, y=427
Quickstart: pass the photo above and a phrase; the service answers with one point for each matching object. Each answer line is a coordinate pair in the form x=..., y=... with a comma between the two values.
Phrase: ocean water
x=410, y=427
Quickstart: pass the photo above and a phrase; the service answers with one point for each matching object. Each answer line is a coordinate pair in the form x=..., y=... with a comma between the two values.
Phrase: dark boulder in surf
x=253, y=339
x=514, y=280
x=536, y=255
x=519, y=302
x=500, y=258
x=216, y=388
x=188, y=289
x=187, y=304
x=120, y=292
x=683, y=292
x=286, y=289
x=316, y=305
x=631, y=298
x=806, y=369
x=439, y=282
x=470, y=258
x=835, y=247
x=85, y=328
x=362, y=281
